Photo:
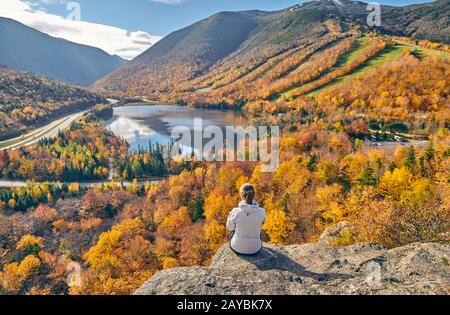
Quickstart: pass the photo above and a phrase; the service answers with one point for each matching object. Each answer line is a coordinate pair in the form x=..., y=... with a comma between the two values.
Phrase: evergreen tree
x=411, y=162
x=312, y=163
x=196, y=209
x=368, y=177
x=429, y=153
x=392, y=167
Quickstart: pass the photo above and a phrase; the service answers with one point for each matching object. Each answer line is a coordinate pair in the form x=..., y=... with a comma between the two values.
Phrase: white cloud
x=113, y=40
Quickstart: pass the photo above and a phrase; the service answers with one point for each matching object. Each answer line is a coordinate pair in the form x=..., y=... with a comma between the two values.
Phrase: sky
x=129, y=27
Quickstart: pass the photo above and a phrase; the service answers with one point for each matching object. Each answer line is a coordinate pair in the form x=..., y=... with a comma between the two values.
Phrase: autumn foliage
x=373, y=150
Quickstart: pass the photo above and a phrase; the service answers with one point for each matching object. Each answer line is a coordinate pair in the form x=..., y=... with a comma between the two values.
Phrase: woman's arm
x=231, y=221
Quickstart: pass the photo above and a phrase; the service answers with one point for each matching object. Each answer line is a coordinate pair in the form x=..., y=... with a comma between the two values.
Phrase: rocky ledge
x=313, y=269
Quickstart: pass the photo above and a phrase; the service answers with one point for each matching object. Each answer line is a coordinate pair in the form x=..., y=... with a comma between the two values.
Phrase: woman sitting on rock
x=245, y=223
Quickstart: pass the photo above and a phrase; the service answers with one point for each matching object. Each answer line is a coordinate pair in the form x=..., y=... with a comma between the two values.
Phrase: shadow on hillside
x=269, y=259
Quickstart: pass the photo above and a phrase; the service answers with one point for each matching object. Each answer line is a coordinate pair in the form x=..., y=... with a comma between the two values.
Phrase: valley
x=363, y=115
x=139, y=125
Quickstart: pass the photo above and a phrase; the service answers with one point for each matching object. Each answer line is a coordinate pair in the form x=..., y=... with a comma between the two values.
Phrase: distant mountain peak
x=25, y=48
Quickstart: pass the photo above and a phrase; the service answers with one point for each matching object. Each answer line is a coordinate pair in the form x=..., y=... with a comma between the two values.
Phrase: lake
x=143, y=123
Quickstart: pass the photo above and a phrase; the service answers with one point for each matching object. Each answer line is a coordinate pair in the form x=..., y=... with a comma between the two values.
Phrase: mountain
x=28, y=100
x=27, y=49
x=245, y=40
x=429, y=21
x=196, y=48
x=190, y=50
x=423, y=21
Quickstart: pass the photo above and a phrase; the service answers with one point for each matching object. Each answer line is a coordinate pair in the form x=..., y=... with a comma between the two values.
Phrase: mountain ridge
x=27, y=49
x=212, y=42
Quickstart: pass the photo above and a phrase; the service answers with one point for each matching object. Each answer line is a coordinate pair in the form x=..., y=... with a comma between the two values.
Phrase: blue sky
x=159, y=18
x=129, y=27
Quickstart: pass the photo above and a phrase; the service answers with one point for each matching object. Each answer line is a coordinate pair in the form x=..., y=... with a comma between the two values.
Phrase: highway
x=48, y=131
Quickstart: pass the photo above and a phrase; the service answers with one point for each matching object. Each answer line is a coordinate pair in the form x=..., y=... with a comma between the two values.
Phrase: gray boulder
x=313, y=269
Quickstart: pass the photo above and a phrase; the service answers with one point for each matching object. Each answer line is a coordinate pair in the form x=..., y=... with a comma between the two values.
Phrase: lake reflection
x=140, y=124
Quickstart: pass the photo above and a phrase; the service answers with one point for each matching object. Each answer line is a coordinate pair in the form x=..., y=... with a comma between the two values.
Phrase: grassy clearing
x=424, y=53
x=357, y=47
x=205, y=89
x=389, y=55
x=355, y=50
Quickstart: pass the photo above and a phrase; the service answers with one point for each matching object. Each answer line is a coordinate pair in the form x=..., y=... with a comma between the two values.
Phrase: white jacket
x=246, y=221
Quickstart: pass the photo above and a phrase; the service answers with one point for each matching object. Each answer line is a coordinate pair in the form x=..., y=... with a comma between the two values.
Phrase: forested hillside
x=27, y=100
x=272, y=48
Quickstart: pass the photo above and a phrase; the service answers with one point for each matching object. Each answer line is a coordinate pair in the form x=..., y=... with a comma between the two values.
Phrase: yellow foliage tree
x=331, y=204
x=120, y=262
x=328, y=171
x=420, y=191
x=74, y=187
x=14, y=274
x=28, y=265
x=214, y=234
x=277, y=226
x=170, y=262
x=394, y=184
x=218, y=205
x=171, y=226
x=36, y=193
x=30, y=243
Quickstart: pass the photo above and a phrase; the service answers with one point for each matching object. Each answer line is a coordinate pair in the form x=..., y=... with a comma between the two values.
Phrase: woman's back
x=246, y=222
